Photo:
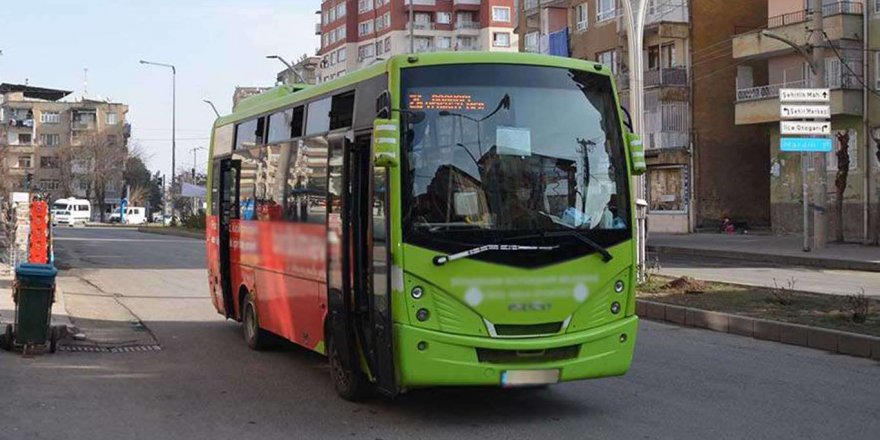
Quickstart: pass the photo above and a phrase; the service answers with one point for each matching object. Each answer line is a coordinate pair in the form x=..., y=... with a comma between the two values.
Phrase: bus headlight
x=417, y=292
x=422, y=315
x=615, y=307
x=618, y=286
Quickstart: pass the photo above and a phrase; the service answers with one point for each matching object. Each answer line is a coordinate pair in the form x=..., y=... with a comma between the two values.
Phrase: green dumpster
x=33, y=293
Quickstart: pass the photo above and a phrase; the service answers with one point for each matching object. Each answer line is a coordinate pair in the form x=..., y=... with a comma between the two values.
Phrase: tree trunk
x=840, y=180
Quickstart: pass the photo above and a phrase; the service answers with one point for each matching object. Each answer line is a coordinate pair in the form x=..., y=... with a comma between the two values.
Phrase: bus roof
x=286, y=95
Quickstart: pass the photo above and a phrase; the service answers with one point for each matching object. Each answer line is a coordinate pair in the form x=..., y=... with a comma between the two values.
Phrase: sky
x=216, y=45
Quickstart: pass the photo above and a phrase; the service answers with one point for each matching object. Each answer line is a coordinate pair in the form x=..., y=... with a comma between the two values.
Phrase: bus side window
x=215, y=189
x=342, y=111
x=306, y=199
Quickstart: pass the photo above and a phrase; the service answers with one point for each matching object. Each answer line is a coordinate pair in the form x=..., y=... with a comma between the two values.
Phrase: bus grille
x=528, y=330
x=492, y=356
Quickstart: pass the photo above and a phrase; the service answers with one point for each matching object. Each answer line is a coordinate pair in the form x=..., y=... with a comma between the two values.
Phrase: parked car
x=71, y=212
x=133, y=216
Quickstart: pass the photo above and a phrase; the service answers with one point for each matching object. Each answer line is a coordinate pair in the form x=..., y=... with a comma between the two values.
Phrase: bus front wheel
x=350, y=385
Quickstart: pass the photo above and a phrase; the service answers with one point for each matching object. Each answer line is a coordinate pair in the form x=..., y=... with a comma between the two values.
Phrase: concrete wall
x=732, y=162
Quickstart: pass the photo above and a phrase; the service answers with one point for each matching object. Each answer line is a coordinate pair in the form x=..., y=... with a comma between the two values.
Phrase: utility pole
x=820, y=195
x=412, y=24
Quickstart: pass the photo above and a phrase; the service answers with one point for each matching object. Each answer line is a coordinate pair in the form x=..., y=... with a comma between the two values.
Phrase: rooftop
x=34, y=92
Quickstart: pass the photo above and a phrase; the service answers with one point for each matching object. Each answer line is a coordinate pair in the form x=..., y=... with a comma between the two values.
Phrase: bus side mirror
x=386, y=136
x=636, y=154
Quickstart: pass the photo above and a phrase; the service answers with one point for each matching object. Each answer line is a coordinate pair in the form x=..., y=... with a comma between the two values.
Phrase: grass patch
x=852, y=313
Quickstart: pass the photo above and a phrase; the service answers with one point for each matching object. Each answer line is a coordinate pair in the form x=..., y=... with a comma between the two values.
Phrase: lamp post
x=195, y=164
x=289, y=67
x=207, y=101
x=173, y=127
x=635, y=13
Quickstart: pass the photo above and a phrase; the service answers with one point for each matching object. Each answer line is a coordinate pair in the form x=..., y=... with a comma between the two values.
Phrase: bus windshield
x=511, y=148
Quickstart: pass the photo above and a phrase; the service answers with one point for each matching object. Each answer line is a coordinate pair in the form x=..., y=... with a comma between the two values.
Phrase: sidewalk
x=778, y=250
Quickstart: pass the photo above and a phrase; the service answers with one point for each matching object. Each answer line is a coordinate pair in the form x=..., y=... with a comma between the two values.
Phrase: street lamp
x=195, y=162
x=206, y=101
x=173, y=125
x=289, y=67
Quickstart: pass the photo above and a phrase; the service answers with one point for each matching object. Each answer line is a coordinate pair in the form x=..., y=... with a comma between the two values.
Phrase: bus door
x=230, y=170
x=371, y=288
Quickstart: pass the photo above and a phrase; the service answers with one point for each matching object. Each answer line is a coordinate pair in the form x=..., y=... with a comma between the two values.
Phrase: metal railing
x=806, y=14
x=467, y=25
x=674, y=76
x=768, y=91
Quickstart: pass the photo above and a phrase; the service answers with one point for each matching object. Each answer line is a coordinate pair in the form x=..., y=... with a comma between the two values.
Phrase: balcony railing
x=674, y=76
x=844, y=81
x=467, y=25
x=421, y=26
x=768, y=91
x=807, y=15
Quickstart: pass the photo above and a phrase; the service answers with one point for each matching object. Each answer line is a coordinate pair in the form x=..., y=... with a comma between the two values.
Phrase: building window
x=25, y=162
x=608, y=58
x=50, y=184
x=340, y=55
x=340, y=33
x=531, y=44
x=444, y=17
x=501, y=39
x=24, y=139
x=388, y=44
x=582, y=17
x=50, y=162
x=50, y=140
x=366, y=51
x=325, y=38
x=365, y=27
x=500, y=13
x=365, y=5
x=605, y=10
x=877, y=67
x=444, y=43
x=467, y=43
x=424, y=44
x=383, y=22
x=50, y=117
x=877, y=6
x=332, y=14
x=340, y=10
x=111, y=119
x=667, y=189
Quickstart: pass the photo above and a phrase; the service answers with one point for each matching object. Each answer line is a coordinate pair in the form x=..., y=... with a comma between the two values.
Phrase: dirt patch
x=838, y=312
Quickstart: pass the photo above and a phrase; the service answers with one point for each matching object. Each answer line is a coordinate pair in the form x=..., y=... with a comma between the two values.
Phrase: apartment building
x=40, y=125
x=357, y=33
x=854, y=108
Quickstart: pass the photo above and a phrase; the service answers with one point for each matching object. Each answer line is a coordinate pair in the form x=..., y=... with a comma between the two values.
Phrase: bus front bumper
x=431, y=358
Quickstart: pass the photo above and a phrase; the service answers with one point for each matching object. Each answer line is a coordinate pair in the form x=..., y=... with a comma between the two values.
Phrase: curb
x=172, y=232
x=782, y=260
x=834, y=341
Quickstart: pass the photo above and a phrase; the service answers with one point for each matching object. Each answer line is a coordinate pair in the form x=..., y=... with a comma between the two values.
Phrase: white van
x=133, y=216
x=71, y=212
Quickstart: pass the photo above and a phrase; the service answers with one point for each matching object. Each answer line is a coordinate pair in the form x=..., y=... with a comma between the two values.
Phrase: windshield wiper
x=606, y=256
x=574, y=232
x=440, y=260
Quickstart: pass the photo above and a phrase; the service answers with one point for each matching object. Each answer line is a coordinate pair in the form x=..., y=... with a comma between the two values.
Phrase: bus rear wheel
x=350, y=385
x=255, y=337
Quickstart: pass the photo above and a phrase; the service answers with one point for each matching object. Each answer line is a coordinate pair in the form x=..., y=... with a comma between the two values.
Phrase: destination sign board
x=804, y=95
x=804, y=128
x=805, y=111
x=805, y=145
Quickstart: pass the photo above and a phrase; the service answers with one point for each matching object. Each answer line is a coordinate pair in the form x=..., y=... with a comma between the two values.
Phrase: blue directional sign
x=806, y=145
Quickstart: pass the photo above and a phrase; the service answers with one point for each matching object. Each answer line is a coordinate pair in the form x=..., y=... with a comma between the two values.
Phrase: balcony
x=665, y=77
x=668, y=126
x=420, y=3
x=420, y=26
x=759, y=105
x=466, y=3
x=843, y=20
x=466, y=25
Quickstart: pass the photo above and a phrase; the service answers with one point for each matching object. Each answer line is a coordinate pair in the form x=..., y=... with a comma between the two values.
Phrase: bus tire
x=350, y=385
x=255, y=337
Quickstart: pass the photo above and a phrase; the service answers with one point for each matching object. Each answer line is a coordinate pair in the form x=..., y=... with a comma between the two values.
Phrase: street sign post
x=805, y=145
x=804, y=128
x=793, y=111
x=814, y=106
x=804, y=95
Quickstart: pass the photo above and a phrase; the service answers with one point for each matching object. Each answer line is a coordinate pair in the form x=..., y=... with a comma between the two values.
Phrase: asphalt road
x=205, y=384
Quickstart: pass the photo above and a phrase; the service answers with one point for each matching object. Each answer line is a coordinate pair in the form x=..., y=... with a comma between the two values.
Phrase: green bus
x=448, y=219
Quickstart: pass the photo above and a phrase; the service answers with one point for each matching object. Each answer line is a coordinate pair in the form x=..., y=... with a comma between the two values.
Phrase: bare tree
x=841, y=178
x=97, y=159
